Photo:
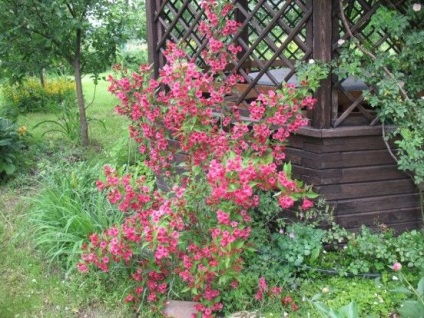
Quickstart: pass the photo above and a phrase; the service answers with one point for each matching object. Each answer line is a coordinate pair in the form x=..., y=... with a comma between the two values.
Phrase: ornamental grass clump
x=197, y=234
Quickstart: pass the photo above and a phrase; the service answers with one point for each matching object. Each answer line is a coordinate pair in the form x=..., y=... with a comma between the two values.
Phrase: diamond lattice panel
x=351, y=108
x=179, y=21
x=275, y=35
x=277, y=30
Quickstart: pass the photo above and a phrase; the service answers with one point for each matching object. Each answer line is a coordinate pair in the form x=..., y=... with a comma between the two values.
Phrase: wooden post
x=322, y=51
x=239, y=17
x=153, y=35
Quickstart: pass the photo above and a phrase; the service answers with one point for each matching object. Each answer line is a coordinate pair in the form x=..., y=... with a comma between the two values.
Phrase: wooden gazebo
x=341, y=152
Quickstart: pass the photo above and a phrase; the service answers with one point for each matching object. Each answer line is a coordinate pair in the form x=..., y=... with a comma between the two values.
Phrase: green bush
x=371, y=251
x=68, y=209
x=30, y=96
x=10, y=145
x=375, y=251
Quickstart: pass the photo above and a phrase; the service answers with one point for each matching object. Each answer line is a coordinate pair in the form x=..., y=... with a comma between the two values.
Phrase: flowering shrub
x=31, y=96
x=197, y=233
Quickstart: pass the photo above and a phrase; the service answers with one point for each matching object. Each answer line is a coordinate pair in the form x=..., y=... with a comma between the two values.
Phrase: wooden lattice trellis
x=275, y=34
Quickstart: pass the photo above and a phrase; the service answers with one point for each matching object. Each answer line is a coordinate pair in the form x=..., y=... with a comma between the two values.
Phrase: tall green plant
x=68, y=209
x=67, y=123
x=10, y=145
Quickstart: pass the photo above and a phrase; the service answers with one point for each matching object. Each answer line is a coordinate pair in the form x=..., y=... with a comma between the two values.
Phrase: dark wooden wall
x=353, y=170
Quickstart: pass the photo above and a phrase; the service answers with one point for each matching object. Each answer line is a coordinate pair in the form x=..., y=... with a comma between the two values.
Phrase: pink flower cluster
x=199, y=230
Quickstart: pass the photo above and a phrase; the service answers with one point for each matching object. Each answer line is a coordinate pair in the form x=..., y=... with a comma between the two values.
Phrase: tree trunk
x=80, y=95
x=81, y=104
x=42, y=81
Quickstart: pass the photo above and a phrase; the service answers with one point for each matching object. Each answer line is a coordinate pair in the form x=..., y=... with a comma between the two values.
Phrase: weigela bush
x=213, y=161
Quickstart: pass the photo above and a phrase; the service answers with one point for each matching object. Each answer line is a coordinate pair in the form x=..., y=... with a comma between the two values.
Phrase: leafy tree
x=82, y=33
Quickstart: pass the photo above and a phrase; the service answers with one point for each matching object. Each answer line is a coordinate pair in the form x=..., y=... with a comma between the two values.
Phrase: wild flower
x=397, y=267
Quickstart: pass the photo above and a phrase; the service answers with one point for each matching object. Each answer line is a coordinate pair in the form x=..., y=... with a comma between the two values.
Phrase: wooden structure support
x=342, y=152
x=353, y=171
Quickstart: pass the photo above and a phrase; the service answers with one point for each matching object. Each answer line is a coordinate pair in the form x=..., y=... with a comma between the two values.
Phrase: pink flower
x=276, y=290
x=82, y=268
x=397, y=267
x=259, y=295
x=286, y=202
x=307, y=204
x=287, y=300
x=262, y=284
x=129, y=298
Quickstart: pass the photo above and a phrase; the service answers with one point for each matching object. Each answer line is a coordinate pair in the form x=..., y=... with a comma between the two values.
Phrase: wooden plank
x=382, y=203
x=349, y=175
x=152, y=35
x=339, y=160
x=372, y=173
x=346, y=144
x=402, y=227
x=337, y=136
x=351, y=159
x=239, y=17
x=296, y=141
x=392, y=218
x=341, y=132
x=322, y=51
x=366, y=158
x=317, y=177
x=366, y=189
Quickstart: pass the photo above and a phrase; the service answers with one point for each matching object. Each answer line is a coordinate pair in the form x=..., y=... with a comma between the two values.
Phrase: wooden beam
x=242, y=6
x=322, y=51
x=153, y=34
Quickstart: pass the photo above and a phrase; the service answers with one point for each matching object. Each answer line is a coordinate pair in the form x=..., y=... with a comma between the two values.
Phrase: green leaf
x=402, y=290
x=9, y=168
x=312, y=195
x=315, y=253
x=350, y=310
x=227, y=262
x=268, y=159
x=287, y=168
x=239, y=244
x=185, y=289
x=253, y=183
x=316, y=297
x=420, y=287
x=5, y=142
x=411, y=309
x=196, y=170
x=321, y=307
